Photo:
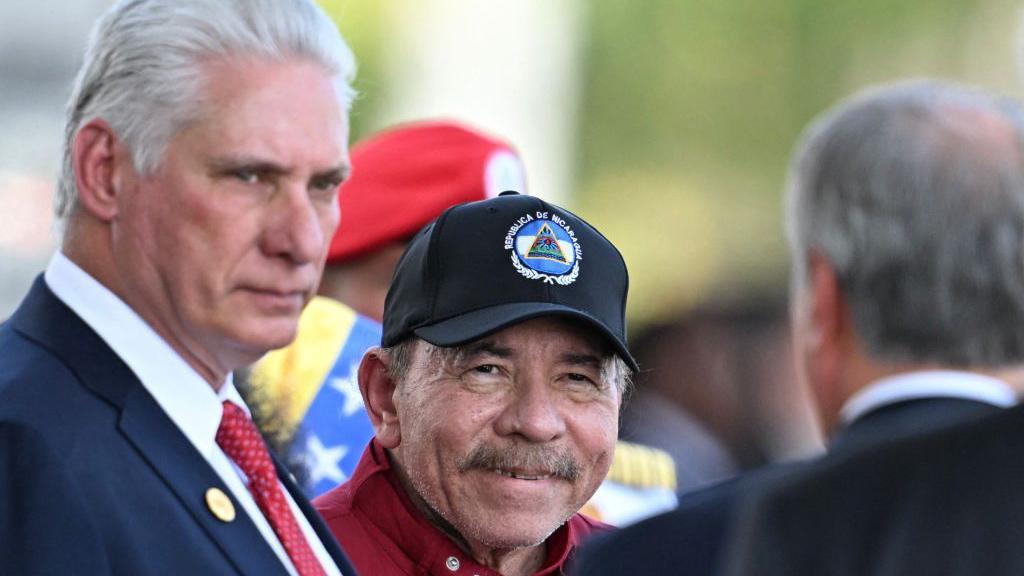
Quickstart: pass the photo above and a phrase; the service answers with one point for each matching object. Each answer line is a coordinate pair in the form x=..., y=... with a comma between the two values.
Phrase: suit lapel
x=184, y=471
x=189, y=476
x=318, y=524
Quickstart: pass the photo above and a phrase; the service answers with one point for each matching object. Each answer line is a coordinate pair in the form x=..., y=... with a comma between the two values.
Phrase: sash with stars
x=314, y=379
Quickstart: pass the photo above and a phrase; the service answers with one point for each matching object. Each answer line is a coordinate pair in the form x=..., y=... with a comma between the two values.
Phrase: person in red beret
x=402, y=179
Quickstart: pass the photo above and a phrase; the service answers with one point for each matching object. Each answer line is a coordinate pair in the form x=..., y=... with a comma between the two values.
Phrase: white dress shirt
x=189, y=401
x=927, y=384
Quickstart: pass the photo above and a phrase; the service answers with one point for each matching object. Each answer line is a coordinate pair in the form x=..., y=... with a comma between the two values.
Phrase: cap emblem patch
x=544, y=247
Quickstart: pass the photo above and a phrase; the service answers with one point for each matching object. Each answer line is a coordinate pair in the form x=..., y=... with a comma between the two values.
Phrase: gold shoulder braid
x=642, y=467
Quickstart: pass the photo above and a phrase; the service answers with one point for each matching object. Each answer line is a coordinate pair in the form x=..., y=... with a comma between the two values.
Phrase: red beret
x=405, y=177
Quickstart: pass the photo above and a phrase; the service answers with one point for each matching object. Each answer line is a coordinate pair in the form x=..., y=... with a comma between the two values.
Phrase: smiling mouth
x=521, y=475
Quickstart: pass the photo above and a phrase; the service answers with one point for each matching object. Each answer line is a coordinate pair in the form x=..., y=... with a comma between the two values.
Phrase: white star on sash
x=324, y=462
x=349, y=388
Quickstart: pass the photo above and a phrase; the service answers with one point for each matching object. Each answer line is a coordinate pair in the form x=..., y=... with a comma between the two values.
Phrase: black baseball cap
x=483, y=266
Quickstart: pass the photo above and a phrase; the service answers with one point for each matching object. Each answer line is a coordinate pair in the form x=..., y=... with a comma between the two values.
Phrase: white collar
x=181, y=392
x=927, y=384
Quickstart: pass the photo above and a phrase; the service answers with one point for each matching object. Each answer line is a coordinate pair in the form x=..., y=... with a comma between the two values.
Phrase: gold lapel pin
x=220, y=505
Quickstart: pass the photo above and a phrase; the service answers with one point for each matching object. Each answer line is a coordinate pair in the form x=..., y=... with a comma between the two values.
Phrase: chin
x=530, y=535
x=262, y=337
x=520, y=530
x=280, y=338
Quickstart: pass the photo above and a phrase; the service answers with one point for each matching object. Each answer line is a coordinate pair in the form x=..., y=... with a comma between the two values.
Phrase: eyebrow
x=340, y=173
x=582, y=358
x=485, y=347
x=489, y=347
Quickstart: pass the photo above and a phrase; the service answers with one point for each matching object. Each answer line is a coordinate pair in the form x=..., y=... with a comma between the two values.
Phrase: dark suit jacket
x=693, y=538
x=94, y=476
x=950, y=503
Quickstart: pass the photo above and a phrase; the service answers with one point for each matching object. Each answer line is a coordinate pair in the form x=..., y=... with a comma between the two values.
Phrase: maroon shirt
x=384, y=534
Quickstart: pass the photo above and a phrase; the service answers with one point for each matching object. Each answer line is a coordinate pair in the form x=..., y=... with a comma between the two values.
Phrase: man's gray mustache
x=522, y=457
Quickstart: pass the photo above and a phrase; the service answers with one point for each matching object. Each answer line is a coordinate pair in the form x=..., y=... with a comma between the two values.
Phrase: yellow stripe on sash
x=290, y=377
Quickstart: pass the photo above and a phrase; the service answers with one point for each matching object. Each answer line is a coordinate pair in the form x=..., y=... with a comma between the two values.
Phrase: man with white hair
x=205, y=143
x=907, y=226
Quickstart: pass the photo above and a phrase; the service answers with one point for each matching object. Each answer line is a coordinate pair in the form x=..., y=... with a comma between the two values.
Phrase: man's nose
x=533, y=412
x=296, y=230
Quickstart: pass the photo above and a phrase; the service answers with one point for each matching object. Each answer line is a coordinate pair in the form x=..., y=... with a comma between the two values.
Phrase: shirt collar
x=189, y=401
x=927, y=384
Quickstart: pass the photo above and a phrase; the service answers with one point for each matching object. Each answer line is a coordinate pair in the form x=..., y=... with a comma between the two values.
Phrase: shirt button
x=452, y=563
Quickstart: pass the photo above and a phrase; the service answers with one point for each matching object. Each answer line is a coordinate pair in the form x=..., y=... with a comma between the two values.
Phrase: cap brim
x=479, y=323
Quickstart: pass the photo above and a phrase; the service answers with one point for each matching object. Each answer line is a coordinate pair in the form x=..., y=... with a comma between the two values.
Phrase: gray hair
x=400, y=355
x=914, y=193
x=142, y=68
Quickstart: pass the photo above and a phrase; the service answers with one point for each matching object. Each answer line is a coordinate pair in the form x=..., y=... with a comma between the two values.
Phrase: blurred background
x=665, y=123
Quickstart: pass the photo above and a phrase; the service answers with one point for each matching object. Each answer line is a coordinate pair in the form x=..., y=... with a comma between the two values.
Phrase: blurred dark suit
x=950, y=503
x=693, y=538
x=905, y=217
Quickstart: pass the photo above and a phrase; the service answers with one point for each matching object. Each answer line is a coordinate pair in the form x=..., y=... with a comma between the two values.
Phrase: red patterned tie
x=240, y=440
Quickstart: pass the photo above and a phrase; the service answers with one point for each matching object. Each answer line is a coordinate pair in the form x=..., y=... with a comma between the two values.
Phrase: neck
x=514, y=562
x=505, y=561
x=867, y=372
x=1012, y=375
x=91, y=252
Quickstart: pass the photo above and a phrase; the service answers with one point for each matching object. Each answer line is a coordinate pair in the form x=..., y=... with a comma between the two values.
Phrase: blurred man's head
x=205, y=143
x=403, y=179
x=498, y=388
x=905, y=212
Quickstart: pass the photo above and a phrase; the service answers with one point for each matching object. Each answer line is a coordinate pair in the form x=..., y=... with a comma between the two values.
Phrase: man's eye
x=484, y=377
x=486, y=369
x=579, y=379
x=326, y=184
x=247, y=175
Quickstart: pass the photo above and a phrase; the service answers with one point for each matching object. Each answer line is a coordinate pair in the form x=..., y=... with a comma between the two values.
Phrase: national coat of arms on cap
x=544, y=247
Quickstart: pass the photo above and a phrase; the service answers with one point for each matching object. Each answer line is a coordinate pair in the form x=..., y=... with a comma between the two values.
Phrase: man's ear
x=830, y=321
x=96, y=155
x=378, y=390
